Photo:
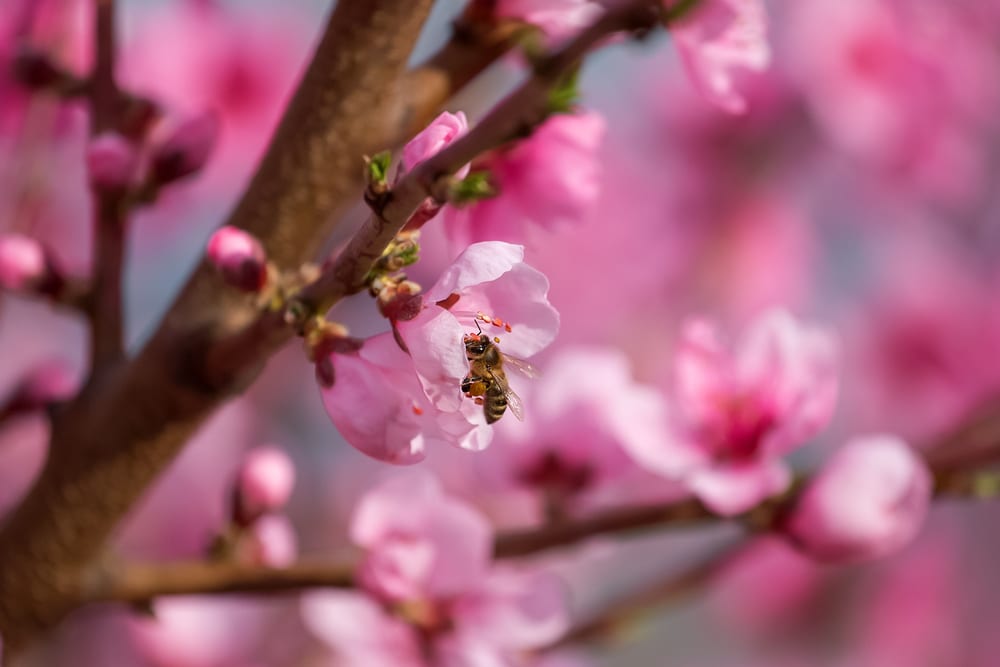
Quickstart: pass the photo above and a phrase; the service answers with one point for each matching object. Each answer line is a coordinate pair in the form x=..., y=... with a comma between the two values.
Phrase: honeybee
x=488, y=381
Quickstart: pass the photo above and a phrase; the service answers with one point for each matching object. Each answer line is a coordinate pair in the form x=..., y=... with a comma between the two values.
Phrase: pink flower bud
x=186, y=149
x=239, y=257
x=23, y=265
x=869, y=500
x=47, y=383
x=442, y=131
x=263, y=484
x=111, y=161
x=271, y=541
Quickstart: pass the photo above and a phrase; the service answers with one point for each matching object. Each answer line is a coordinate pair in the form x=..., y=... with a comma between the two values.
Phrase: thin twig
x=106, y=335
x=144, y=582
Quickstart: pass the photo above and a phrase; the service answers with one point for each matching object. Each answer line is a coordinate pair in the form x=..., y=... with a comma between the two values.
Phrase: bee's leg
x=475, y=385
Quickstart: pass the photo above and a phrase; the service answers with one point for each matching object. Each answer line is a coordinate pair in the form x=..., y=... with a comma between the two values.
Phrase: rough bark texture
x=112, y=441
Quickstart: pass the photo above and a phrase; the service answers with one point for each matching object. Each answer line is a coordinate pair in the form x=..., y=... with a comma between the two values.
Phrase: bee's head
x=476, y=343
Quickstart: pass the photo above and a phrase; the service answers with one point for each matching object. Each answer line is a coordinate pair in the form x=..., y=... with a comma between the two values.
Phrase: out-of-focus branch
x=670, y=588
x=106, y=335
x=516, y=116
x=141, y=582
x=144, y=582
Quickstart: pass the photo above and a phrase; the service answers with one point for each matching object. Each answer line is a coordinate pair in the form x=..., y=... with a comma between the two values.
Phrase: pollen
x=417, y=410
x=506, y=327
x=479, y=401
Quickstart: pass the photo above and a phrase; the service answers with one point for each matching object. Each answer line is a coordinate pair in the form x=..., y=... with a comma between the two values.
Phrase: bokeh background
x=859, y=191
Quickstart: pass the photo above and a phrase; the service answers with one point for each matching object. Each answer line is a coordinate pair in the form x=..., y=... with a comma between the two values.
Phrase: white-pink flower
x=488, y=279
x=736, y=413
x=442, y=131
x=390, y=404
x=559, y=19
x=869, y=500
x=720, y=38
x=419, y=542
x=433, y=597
x=549, y=180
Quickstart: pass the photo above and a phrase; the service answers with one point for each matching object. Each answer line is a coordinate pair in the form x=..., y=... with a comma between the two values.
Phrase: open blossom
x=431, y=596
x=583, y=409
x=736, y=413
x=549, y=180
x=442, y=131
x=720, y=38
x=391, y=405
x=557, y=18
x=869, y=500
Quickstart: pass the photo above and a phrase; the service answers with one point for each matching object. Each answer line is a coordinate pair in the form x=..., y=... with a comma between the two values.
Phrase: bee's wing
x=521, y=366
x=514, y=403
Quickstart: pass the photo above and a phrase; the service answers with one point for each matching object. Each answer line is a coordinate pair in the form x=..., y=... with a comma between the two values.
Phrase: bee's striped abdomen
x=495, y=404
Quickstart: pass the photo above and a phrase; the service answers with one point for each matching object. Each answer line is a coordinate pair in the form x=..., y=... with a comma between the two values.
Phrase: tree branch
x=106, y=335
x=110, y=443
x=142, y=583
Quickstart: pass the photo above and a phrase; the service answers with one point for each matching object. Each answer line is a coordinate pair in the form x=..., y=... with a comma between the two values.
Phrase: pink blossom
x=263, y=484
x=378, y=405
x=736, y=414
x=420, y=543
x=428, y=562
x=239, y=257
x=491, y=279
x=442, y=131
x=559, y=19
x=23, y=263
x=549, y=180
x=390, y=404
x=584, y=407
x=869, y=500
x=111, y=161
x=718, y=39
x=185, y=149
x=271, y=541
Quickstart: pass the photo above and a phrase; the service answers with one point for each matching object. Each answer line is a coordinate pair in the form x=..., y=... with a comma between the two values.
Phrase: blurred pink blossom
x=869, y=500
x=559, y=19
x=184, y=148
x=720, y=38
x=239, y=257
x=737, y=413
x=549, y=180
x=270, y=541
x=420, y=543
x=111, y=161
x=23, y=264
x=264, y=483
x=583, y=408
x=428, y=561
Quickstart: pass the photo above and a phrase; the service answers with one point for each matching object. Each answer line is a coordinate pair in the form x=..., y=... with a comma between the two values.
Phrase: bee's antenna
x=479, y=327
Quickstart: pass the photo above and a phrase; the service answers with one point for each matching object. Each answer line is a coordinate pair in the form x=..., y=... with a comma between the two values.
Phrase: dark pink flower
x=239, y=257
x=186, y=148
x=111, y=161
x=737, y=413
x=549, y=180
